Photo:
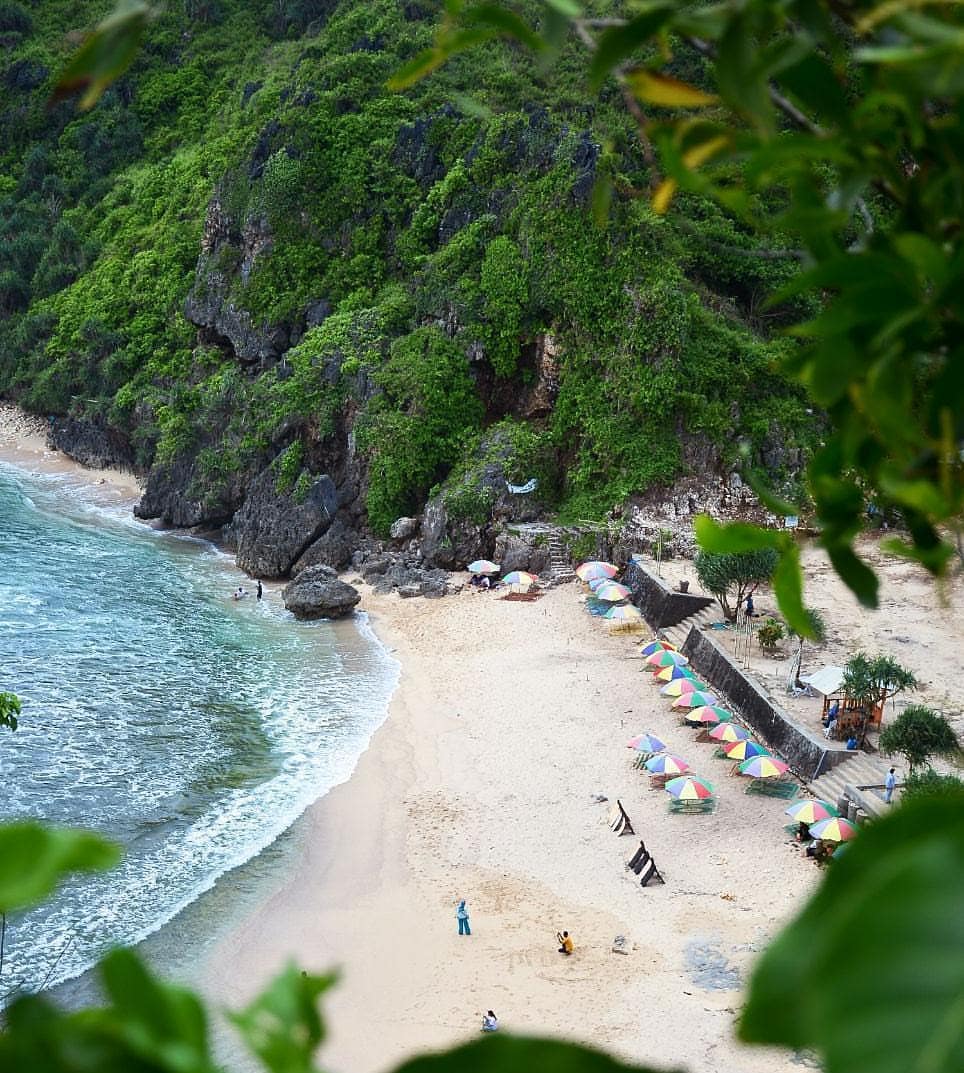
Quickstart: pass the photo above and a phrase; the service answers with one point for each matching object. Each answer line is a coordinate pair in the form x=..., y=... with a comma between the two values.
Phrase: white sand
x=508, y=717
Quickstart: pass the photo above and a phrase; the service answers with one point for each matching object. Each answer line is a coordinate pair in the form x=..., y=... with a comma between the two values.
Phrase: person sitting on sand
x=485, y=583
x=852, y=741
x=565, y=941
x=803, y=832
x=490, y=1023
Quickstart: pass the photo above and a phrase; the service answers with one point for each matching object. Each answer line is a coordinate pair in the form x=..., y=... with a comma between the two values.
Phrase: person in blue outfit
x=462, y=916
x=890, y=784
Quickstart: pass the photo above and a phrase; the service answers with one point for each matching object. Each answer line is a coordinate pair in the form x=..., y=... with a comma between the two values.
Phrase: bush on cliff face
x=415, y=430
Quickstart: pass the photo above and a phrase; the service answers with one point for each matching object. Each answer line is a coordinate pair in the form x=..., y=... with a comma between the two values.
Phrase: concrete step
x=859, y=770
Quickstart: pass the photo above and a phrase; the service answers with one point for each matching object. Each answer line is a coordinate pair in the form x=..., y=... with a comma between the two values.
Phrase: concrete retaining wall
x=803, y=751
x=661, y=606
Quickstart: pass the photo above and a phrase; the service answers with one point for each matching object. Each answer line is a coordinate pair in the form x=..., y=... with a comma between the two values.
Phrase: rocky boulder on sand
x=317, y=593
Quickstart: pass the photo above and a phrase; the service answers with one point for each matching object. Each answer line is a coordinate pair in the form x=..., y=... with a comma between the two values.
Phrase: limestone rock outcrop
x=317, y=592
x=272, y=528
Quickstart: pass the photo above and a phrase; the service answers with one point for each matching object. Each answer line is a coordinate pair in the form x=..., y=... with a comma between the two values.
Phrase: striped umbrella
x=707, y=714
x=612, y=591
x=520, y=577
x=726, y=731
x=646, y=743
x=679, y=686
x=744, y=750
x=809, y=810
x=689, y=788
x=483, y=566
x=666, y=658
x=598, y=582
x=836, y=829
x=594, y=568
x=696, y=699
x=624, y=613
x=668, y=674
x=666, y=765
x=657, y=646
x=763, y=767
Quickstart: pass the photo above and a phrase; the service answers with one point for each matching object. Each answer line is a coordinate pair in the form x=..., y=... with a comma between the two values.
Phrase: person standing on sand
x=462, y=916
x=260, y=590
x=890, y=784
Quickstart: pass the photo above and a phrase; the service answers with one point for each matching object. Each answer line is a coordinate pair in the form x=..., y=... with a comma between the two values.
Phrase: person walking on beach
x=260, y=590
x=565, y=943
x=890, y=784
x=490, y=1023
x=462, y=916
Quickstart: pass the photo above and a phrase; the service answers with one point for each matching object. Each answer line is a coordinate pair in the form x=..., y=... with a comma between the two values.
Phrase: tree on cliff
x=731, y=577
x=917, y=734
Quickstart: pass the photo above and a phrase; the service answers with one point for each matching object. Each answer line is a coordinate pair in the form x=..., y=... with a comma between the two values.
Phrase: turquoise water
x=190, y=728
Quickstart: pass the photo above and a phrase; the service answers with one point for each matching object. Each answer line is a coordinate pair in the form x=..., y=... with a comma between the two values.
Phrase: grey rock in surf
x=317, y=593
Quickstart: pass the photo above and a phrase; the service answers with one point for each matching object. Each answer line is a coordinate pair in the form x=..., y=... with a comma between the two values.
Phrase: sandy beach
x=508, y=718
x=23, y=443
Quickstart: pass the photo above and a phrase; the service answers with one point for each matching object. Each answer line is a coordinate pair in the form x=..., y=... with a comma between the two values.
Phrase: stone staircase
x=858, y=769
x=677, y=634
x=560, y=568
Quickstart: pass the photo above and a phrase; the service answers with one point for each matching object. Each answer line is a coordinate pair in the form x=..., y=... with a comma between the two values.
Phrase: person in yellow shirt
x=565, y=941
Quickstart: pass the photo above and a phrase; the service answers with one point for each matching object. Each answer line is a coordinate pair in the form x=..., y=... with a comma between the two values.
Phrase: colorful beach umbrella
x=595, y=568
x=696, y=699
x=727, y=731
x=520, y=577
x=483, y=566
x=666, y=658
x=657, y=646
x=710, y=714
x=611, y=591
x=646, y=743
x=763, y=767
x=666, y=765
x=672, y=672
x=836, y=829
x=679, y=686
x=689, y=788
x=624, y=613
x=744, y=750
x=809, y=810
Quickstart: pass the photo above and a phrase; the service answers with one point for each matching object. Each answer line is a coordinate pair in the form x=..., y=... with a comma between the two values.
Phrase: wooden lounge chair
x=638, y=859
x=651, y=873
x=773, y=788
x=619, y=821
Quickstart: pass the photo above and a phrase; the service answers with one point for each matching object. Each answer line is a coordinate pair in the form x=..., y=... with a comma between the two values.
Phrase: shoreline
x=23, y=443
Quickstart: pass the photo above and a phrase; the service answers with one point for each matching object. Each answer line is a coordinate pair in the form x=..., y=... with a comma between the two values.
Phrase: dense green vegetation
x=459, y=232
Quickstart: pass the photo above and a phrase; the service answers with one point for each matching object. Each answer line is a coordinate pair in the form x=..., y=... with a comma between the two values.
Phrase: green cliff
x=250, y=256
